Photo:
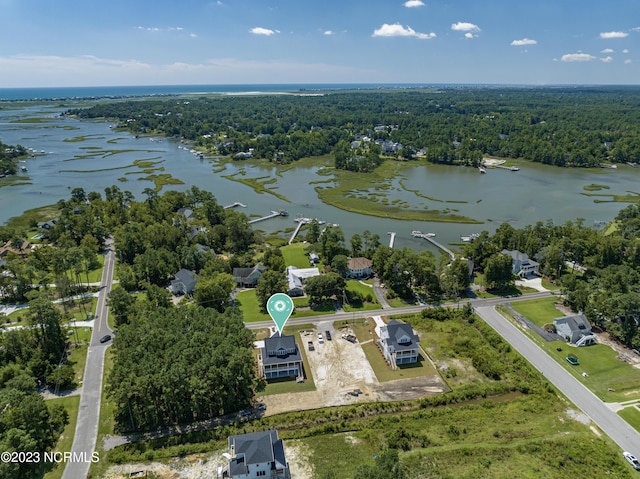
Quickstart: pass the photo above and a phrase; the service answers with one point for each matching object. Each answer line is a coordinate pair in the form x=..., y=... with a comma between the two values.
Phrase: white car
x=320, y=338
x=632, y=460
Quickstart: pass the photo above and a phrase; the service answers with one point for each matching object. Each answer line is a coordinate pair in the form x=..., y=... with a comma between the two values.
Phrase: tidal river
x=90, y=154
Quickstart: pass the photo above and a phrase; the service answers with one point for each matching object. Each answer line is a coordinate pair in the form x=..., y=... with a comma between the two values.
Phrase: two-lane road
x=613, y=425
x=86, y=435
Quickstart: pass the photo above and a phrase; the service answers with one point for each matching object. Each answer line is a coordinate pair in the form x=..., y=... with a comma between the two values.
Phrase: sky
x=45, y=43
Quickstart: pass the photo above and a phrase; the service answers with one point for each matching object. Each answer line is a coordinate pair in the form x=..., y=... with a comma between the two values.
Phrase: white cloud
x=626, y=50
x=193, y=35
x=469, y=35
x=608, y=35
x=524, y=41
x=627, y=61
x=397, y=30
x=263, y=31
x=413, y=3
x=607, y=59
x=328, y=32
x=465, y=27
x=577, y=57
x=607, y=50
x=636, y=29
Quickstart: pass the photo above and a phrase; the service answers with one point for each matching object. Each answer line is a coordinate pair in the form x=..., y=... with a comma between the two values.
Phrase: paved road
x=86, y=435
x=613, y=425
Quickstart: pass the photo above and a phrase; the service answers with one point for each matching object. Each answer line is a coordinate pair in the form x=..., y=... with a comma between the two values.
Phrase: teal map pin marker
x=280, y=307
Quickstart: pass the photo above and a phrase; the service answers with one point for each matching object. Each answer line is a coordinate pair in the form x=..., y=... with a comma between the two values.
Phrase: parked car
x=328, y=335
x=310, y=345
x=245, y=413
x=320, y=339
x=261, y=406
x=631, y=459
x=105, y=338
x=571, y=359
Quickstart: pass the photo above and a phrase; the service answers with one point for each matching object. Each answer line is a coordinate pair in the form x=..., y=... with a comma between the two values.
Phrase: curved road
x=613, y=425
x=86, y=435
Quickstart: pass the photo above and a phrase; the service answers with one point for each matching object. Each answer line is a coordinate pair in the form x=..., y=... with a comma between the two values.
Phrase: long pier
x=429, y=238
x=303, y=221
x=268, y=217
x=392, y=240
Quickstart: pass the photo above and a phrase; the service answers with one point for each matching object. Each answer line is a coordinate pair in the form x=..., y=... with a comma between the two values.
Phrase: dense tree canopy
x=179, y=365
x=559, y=126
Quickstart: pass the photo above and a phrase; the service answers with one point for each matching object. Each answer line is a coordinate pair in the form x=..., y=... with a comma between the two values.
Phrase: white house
x=257, y=455
x=296, y=278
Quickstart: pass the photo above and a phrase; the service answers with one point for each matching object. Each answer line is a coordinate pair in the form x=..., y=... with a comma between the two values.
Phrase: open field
x=294, y=255
x=71, y=404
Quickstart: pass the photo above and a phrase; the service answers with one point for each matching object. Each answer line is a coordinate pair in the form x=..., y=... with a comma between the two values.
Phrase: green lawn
x=538, y=311
x=294, y=255
x=106, y=422
x=384, y=372
x=248, y=304
x=72, y=405
x=365, y=290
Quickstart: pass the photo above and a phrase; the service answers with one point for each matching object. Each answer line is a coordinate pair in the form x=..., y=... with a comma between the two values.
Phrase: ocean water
x=55, y=93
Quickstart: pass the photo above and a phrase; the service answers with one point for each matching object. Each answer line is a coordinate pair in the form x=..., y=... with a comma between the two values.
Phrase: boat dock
x=300, y=221
x=233, y=205
x=392, y=239
x=429, y=238
x=510, y=168
x=268, y=217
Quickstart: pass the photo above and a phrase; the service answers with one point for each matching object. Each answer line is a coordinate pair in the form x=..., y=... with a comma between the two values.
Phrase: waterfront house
x=281, y=357
x=359, y=267
x=399, y=343
x=296, y=278
x=257, y=455
x=520, y=263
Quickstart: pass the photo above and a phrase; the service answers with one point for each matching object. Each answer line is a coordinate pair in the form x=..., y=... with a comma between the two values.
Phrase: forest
x=572, y=127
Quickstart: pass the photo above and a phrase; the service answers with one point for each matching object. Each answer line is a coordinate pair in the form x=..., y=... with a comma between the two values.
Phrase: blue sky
x=143, y=42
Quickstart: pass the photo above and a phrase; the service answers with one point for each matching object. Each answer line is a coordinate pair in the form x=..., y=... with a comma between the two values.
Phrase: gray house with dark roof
x=184, y=282
x=281, y=358
x=257, y=455
x=520, y=263
x=399, y=343
x=248, y=277
x=576, y=329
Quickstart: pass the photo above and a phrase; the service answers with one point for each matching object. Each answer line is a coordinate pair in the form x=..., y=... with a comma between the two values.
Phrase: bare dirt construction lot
x=339, y=368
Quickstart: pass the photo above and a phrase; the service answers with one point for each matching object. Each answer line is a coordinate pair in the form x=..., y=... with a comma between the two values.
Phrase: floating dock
x=392, y=239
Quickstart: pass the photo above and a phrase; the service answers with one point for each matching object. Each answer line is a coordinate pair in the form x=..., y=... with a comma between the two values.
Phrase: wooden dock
x=429, y=238
x=268, y=217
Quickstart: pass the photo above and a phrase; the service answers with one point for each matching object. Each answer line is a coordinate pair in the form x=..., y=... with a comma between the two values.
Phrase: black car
x=328, y=335
x=105, y=338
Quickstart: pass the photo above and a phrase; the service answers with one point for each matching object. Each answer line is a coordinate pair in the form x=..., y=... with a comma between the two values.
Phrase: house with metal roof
x=359, y=267
x=281, y=357
x=399, y=343
x=576, y=329
x=257, y=455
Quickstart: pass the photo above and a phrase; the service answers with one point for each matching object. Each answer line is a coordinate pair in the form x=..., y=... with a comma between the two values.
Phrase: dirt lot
x=339, y=367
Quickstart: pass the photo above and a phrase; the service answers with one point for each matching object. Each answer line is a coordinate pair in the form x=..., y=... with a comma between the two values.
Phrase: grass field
x=539, y=311
x=106, y=422
x=294, y=255
x=72, y=405
x=365, y=290
x=248, y=304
